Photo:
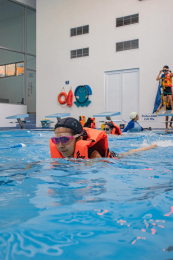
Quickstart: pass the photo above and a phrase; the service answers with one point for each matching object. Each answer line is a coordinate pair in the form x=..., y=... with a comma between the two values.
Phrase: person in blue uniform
x=133, y=125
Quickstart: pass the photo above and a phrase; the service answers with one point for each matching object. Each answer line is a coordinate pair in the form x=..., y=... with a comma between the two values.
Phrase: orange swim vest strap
x=116, y=129
x=99, y=140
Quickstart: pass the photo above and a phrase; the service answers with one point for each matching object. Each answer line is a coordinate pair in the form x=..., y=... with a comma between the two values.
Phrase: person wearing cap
x=133, y=125
x=71, y=140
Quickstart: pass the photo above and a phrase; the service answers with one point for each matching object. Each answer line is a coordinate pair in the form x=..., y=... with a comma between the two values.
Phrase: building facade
x=119, y=54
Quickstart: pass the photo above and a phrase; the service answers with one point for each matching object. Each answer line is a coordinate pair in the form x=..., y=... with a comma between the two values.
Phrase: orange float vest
x=116, y=129
x=167, y=80
x=96, y=139
x=93, y=125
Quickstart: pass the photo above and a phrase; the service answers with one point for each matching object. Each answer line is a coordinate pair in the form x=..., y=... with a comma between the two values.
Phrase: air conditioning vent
x=135, y=44
x=119, y=22
x=79, y=30
x=86, y=52
x=79, y=53
x=135, y=18
x=73, y=32
x=85, y=29
x=126, y=20
x=127, y=45
x=73, y=54
x=119, y=46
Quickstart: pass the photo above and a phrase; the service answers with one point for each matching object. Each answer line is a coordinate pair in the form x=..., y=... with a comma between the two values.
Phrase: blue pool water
x=60, y=209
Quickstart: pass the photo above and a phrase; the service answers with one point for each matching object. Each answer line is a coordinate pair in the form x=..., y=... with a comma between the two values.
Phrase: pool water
x=85, y=209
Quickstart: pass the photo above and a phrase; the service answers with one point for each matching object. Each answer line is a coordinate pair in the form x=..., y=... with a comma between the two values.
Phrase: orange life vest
x=93, y=125
x=116, y=129
x=167, y=80
x=96, y=139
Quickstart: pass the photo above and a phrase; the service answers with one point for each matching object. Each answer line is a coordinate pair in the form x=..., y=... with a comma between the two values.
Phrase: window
x=128, y=45
x=19, y=69
x=126, y=20
x=15, y=69
x=2, y=71
x=79, y=30
x=10, y=70
x=79, y=53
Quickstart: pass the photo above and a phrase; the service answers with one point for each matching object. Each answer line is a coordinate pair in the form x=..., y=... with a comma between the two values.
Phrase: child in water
x=73, y=141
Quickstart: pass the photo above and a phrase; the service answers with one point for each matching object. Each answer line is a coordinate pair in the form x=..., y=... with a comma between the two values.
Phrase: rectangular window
x=126, y=20
x=127, y=45
x=79, y=53
x=79, y=30
x=15, y=69
x=19, y=69
x=10, y=70
x=2, y=71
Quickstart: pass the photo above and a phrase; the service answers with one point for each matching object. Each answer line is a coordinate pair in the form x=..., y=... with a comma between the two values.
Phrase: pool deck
x=51, y=129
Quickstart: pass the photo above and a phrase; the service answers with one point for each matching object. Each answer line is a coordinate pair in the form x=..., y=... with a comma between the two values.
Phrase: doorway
x=122, y=92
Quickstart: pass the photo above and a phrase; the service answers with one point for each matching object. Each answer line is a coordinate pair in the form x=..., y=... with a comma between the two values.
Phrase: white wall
x=10, y=110
x=54, y=66
x=31, y=3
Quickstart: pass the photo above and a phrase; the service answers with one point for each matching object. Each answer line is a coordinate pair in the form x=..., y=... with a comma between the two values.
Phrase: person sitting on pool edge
x=111, y=128
x=73, y=141
x=133, y=125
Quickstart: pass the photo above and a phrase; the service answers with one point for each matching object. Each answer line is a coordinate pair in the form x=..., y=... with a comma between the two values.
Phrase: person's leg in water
x=166, y=123
x=171, y=102
x=170, y=125
x=165, y=100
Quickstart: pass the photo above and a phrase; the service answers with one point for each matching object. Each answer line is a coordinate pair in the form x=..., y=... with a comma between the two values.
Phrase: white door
x=122, y=92
x=113, y=92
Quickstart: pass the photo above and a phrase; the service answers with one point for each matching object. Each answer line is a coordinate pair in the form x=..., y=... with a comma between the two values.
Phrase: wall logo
x=82, y=95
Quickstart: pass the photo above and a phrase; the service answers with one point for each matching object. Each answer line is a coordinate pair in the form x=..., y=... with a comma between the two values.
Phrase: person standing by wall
x=166, y=81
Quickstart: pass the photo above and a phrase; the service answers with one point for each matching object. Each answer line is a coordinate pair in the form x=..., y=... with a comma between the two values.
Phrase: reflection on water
x=92, y=209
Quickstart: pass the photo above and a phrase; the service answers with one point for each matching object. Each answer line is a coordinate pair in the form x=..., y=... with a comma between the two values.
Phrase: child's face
x=107, y=129
x=67, y=150
x=165, y=70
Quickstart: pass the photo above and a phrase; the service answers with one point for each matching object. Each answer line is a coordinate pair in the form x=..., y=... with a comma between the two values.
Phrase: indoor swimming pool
x=85, y=209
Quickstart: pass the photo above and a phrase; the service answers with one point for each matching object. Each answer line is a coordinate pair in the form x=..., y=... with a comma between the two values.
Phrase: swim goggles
x=106, y=129
x=63, y=139
x=165, y=70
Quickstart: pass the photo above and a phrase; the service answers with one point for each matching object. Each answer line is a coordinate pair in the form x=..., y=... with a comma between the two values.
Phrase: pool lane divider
x=14, y=146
